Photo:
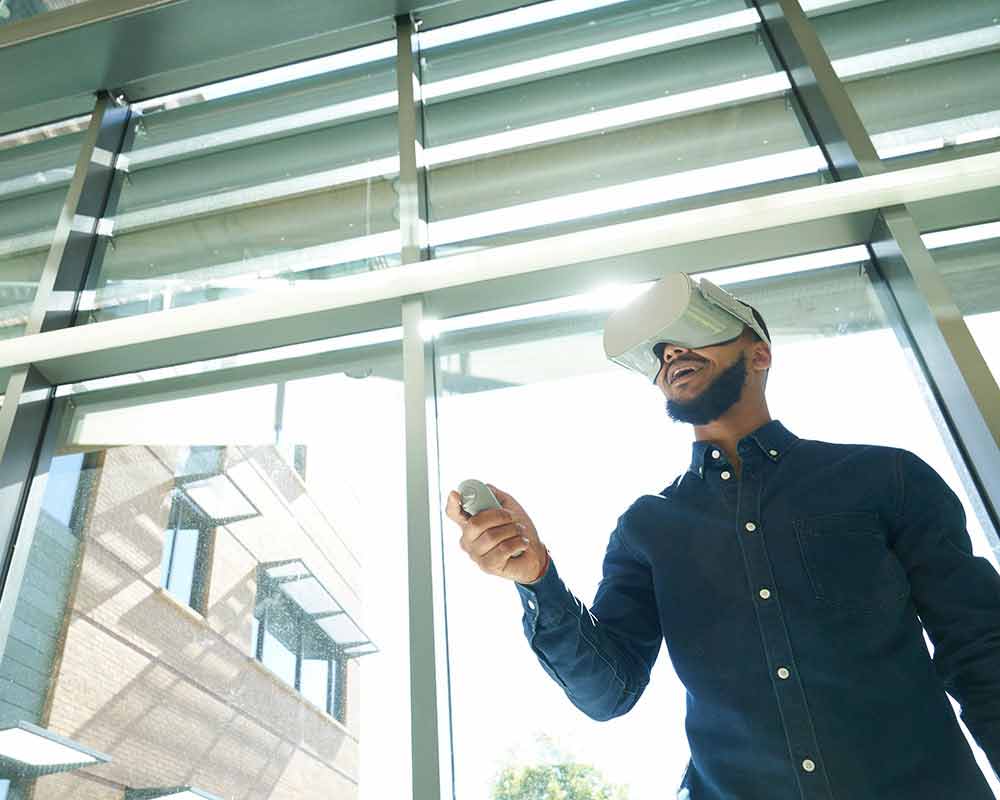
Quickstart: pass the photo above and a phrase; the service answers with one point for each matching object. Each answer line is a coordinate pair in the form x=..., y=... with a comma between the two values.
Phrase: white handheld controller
x=476, y=497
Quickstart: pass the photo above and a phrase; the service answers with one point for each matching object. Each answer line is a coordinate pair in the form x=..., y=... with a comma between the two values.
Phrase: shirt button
x=726, y=475
x=531, y=604
x=783, y=673
x=765, y=593
x=773, y=452
x=808, y=765
x=716, y=454
x=751, y=527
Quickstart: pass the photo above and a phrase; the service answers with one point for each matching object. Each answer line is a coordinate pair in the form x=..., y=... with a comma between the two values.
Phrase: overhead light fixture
x=31, y=748
x=174, y=793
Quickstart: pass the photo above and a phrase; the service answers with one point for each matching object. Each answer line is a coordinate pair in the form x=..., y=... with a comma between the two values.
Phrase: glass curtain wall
x=256, y=184
x=971, y=270
x=290, y=678
x=921, y=74
x=35, y=170
x=258, y=644
x=576, y=439
x=16, y=10
x=627, y=110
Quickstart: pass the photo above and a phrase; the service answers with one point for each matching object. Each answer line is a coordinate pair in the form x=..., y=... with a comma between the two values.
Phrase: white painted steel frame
x=162, y=338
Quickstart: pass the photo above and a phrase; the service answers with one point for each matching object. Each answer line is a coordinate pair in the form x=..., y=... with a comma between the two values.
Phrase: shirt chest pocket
x=849, y=563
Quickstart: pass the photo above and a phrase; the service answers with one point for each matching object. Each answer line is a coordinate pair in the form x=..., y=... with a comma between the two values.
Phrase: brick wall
x=176, y=698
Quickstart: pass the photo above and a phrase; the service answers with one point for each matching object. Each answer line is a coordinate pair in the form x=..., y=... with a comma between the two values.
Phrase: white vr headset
x=674, y=310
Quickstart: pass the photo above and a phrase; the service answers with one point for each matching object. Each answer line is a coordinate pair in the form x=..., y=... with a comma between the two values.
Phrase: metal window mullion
x=430, y=711
x=910, y=287
x=298, y=653
x=329, y=685
x=29, y=414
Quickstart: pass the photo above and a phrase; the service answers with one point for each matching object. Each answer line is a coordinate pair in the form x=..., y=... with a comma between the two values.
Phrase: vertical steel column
x=910, y=287
x=29, y=419
x=430, y=702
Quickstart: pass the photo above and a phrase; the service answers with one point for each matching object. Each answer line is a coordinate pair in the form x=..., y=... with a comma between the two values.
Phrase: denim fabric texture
x=793, y=602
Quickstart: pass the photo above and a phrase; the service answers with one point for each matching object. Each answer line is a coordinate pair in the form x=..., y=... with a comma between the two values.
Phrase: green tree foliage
x=558, y=777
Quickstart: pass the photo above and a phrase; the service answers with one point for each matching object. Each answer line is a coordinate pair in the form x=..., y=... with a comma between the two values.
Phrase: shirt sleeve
x=601, y=656
x=957, y=595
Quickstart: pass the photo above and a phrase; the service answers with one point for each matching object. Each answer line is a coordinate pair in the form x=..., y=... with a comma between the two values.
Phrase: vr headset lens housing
x=677, y=311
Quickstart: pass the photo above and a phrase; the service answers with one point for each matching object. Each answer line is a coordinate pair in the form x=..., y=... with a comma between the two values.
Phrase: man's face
x=704, y=395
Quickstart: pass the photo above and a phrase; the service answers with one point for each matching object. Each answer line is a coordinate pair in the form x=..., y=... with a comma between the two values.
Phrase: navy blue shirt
x=788, y=598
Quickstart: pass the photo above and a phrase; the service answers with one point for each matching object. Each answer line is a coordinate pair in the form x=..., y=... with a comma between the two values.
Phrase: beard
x=715, y=399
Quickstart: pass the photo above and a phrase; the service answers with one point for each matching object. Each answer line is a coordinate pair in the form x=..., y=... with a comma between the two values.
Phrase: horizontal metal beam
x=370, y=300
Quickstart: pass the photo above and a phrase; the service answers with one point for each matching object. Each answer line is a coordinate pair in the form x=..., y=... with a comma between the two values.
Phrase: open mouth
x=685, y=372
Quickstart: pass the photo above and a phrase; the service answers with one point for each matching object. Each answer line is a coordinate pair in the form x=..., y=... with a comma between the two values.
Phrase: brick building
x=209, y=632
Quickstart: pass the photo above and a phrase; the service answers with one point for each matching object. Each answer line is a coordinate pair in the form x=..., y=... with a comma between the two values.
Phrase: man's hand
x=501, y=541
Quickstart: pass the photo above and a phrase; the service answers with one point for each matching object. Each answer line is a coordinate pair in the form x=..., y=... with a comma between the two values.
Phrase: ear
x=761, y=355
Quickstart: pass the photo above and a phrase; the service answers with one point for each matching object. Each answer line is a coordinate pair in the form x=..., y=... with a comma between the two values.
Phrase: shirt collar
x=773, y=439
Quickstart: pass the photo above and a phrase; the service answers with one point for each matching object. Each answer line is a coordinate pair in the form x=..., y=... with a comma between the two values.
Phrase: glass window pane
x=922, y=74
x=61, y=487
x=279, y=657
x=628, y=110
x=183, y=554
x=971, y=271
x=258, y=190
x=316, y=681
x=35, y=170
x=189, y=690
x=17, y=10
x=559, y=414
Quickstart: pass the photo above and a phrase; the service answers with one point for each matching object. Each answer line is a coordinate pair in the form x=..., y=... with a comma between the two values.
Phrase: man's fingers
x=496, y=559
x=483, y=546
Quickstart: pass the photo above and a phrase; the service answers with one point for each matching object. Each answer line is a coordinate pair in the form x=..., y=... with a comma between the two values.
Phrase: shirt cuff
x=546, y=600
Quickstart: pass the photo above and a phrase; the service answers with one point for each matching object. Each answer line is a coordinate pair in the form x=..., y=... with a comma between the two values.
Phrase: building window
x=194, y=515
x=186, y=553
x=293, y=647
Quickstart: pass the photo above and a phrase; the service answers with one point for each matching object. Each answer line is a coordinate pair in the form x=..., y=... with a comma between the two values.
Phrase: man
x=786, y=576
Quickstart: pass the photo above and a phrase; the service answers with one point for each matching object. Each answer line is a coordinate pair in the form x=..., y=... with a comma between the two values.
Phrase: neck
x=739, y=421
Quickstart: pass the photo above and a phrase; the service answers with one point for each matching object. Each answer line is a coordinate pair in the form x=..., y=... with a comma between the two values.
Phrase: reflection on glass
x=34, y=177
x=279, y=657
x=576, y=439
x=260, y=190
x=625, y=110
x=252, y=694
x=921, y=74
x=971, y=272
x=180, y=550
x=316, y=681
x=17, y=10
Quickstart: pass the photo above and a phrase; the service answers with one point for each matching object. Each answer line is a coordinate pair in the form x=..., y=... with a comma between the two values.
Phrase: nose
x=667, y=354
x=672, y=351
